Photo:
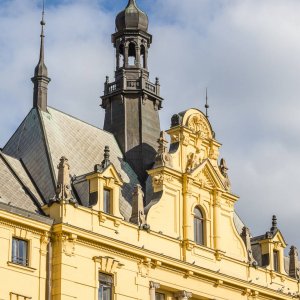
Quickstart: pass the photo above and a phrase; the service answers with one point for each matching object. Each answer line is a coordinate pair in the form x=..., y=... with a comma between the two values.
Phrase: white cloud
x=246, y=52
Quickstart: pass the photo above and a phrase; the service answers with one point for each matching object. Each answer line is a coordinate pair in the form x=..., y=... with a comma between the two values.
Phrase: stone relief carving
x=68, y=242
x=163, y=157
x=159, y=179
x=247, y=241
x=198, y=125
x=224, y=171
x=193, y=161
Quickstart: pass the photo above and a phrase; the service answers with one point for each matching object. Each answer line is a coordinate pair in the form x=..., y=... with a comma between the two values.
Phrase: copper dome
x=132, y=18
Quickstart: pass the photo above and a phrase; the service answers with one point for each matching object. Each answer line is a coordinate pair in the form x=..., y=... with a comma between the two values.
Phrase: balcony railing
x=112, y=87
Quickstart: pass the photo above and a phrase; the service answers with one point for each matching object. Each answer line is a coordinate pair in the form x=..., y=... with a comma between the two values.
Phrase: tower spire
x=41, y=79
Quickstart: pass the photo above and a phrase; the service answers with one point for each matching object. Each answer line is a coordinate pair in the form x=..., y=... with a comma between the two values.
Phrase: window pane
x=19, y=251
x=159, y=296
x=276, y=261
x=198, y=213
x=105, y=287
x=14, y=250
x=198, y=227
x=106, y=201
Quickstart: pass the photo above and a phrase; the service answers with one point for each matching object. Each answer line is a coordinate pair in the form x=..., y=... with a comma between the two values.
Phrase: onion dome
x=132, y=18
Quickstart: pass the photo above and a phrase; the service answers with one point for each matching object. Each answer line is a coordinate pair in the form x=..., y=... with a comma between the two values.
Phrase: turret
x=131, y=101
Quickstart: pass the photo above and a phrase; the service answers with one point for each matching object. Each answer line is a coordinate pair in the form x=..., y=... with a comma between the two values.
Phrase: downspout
x=49, y=271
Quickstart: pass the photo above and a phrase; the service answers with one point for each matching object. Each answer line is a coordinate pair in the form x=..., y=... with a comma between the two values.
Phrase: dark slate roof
x=28, y=143
x=25, y=213
x=16, y=188
x=44, y=137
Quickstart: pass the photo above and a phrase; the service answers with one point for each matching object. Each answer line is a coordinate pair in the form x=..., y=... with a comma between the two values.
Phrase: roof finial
x=274, y=223
x=106, y=162
x=41, y=79
x=206, y=105
x=131, y=2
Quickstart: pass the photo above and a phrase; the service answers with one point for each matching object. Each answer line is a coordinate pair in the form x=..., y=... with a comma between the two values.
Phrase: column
x=146, y=57
x=138, y=56
x=153, y=287
x=216, y=220
x=183, y=295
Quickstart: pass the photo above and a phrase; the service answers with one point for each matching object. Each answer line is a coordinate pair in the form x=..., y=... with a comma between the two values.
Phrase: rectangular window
x=276, y=260
x=160, y=296
x=106, y=201
x=19, y=252
x=105, y=287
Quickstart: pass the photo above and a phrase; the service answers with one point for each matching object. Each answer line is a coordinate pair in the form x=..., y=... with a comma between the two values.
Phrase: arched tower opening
x=143, y=57
x=121, y=57
x=131, y=54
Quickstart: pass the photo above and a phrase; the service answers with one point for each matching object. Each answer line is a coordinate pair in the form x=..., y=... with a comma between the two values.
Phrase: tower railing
x=131, y=85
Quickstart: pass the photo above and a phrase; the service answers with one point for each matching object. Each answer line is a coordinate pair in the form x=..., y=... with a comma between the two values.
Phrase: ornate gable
x=206, y=176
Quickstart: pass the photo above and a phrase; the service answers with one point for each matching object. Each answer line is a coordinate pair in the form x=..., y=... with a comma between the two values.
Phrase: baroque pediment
x=206, y=176
x=110, y=173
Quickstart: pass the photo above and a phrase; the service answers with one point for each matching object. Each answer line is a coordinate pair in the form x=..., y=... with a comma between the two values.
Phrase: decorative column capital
x=154, y=285
x=183, y=295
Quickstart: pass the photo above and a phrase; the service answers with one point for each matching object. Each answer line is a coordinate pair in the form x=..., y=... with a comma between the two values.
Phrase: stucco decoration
x=107, y=264
x=198, y=123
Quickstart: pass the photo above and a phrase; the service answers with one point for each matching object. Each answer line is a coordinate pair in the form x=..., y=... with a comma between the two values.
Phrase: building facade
x=122, y=213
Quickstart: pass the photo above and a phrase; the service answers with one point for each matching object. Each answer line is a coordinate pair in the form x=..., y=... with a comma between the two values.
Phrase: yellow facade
x=66, y=257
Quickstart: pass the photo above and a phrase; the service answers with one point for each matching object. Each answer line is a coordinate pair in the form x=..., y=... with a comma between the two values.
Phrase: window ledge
x=17, y=266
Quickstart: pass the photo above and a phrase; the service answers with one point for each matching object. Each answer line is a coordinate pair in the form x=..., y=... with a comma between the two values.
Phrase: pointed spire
x=41, y=79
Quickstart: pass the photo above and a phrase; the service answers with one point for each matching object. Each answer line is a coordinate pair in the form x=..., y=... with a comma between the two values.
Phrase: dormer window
x=198, y=226
x=107, y=201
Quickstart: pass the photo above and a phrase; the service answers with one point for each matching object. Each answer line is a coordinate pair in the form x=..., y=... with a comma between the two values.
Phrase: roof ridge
x=21, y=124
x=47, y=148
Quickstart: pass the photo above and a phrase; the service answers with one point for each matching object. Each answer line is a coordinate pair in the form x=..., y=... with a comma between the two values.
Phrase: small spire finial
x=274, y=223
x=206, y=105
x=106, y=162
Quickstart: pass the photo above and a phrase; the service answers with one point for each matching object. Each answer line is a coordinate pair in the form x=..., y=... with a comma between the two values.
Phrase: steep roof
x=44, y=137
x=17, y=189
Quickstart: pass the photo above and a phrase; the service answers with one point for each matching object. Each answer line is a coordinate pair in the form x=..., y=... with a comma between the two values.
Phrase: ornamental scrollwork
x=199, y=125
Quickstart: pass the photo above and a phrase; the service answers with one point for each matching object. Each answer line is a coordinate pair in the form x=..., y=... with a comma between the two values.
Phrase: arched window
x=131, y=54
x=198, y=226
x=121, y=56
x=143, y=56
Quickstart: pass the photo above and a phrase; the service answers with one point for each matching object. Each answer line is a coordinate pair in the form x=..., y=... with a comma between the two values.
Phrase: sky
x=246, y=52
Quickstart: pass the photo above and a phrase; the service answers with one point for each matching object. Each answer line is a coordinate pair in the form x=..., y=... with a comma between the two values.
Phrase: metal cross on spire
x=206, y=105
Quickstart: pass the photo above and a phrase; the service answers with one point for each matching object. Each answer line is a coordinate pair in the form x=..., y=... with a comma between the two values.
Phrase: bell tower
x=132, y=102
